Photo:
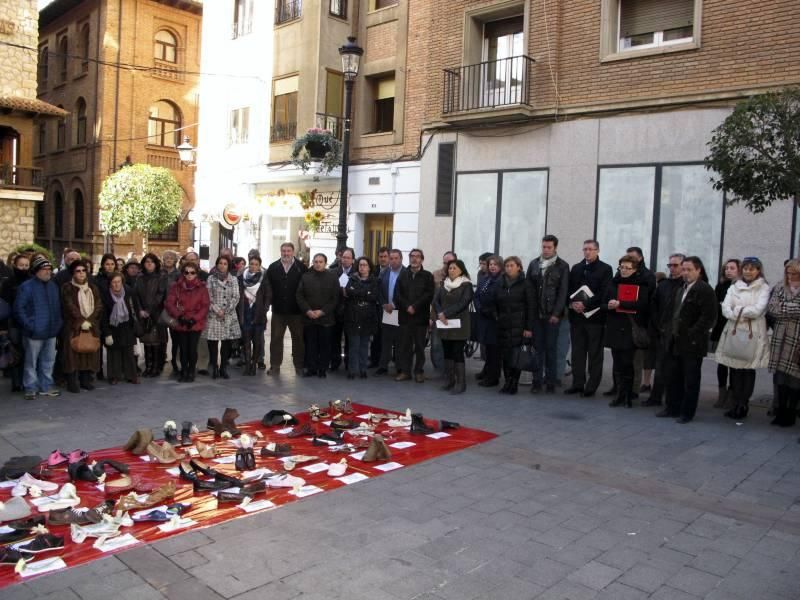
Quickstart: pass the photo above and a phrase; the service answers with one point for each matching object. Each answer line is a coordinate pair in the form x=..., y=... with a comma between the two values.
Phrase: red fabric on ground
x=204, y=508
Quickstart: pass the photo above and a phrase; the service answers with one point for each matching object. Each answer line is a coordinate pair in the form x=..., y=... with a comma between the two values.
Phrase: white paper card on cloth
x=402, y=445
x=390, y=466
x=43, y=566
x=391, y=318
x=327, y=423
x=6, y=529
x=144, y=458
x=257, y=505
x=438, y=435
x=226, y=460
x=101, y=487
x=5, y=484
x=365, y=416
x=285, y=430
x=330, y=443
x=306, y=490
x=358, y=455
x=174, y=471
x=37, y=502
x=230, y=490
x=451, y=324
x=316, y=467
x=257, y=473
x=352, y=478
x=109, y=544
x=178, y=524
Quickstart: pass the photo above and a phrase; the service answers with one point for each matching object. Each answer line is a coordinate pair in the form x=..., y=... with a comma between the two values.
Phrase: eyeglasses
x=671, y=265
x=79, y=271
x=190, y=272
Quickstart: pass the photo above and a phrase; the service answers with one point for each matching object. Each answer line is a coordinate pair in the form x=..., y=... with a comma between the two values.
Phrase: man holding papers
x=588, y=283
x=413, y=295
x=390, y=326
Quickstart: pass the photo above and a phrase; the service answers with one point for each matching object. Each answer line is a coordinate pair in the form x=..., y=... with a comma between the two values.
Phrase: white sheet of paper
x=43, y=566
x=306, y=490
x=126, y=539
x=451, y=324
x=402, y=445
x=257, y=505
x=391, y=318
x=328, y=423
x=438, y=435
x=257, y=473
x=226, y=460
x=316, y=467
x=145, y=458
x=365, y=416
x=101, y=487
x=174, y=471
x=358, y=455
x=5, y=484
x=285, y=430
x=343, y=279
x=182, y=524
x=6, y=529
x=390, y=466
x=352, y=478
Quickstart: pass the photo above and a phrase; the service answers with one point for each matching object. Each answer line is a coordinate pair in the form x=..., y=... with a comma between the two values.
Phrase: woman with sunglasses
x=744, y=310
x=187, y=303
x=83, y=310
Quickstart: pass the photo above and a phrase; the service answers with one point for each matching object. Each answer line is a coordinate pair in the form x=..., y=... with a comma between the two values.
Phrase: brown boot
x=229, y=421
x=138, y=441
x=378, y=450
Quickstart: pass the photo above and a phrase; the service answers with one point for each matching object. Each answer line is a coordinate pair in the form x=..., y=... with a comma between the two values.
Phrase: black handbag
x=523, y=358
x=641, y=339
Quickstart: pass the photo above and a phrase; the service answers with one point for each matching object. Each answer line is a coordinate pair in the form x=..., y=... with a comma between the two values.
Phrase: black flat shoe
x=363, y=375
x=80, y=471
x=351, y=375
x=201, y=468
x=574, y=390
x=100, y=467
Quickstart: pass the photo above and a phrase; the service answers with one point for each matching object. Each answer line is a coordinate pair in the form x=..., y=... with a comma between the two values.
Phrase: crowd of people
x=70, y=327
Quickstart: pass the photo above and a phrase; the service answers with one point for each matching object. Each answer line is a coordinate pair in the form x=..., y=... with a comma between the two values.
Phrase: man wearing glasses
x=37, y=310
x=661, y=319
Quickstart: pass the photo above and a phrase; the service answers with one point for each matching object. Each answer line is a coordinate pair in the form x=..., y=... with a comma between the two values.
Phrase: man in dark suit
x=587, y=332
x=694, y=312
x=284, y=278
x=413, y=296
x=390, y=334
x=342, y=270
x=375, y=344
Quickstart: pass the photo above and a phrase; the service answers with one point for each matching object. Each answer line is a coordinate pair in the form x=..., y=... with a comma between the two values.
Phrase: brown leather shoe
x=165, y=453
x=378, y=450
x=130, y=502
x=419, y=378
x=403, y=377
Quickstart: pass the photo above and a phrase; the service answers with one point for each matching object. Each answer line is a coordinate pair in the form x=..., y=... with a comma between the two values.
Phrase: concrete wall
x=573, y=150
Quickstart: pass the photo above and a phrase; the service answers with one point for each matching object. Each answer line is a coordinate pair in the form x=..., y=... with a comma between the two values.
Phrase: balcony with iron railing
x=17, y=177
x=500, y=87
x=288, y=10
x=332, y=123
x=283, y=132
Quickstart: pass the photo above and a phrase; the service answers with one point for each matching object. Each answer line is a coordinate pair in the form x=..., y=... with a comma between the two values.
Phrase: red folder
x=627, y=293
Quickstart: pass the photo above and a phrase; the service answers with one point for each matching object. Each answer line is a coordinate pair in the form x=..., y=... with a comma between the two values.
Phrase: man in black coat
x=390, y=333
x=413, y=295
x=284, y=277
x=549, y=276
x=343, y=270
x=694, y=312
x=640, y=360
x=587, y=331
x=660, y=323
x=375, y=344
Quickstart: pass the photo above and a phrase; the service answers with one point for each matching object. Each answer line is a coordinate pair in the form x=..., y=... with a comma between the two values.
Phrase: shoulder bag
x=85, y=343
x=737, y=341
x=641, y=339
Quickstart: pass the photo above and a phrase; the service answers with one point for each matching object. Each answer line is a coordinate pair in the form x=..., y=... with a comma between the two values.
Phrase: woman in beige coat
x=784, y=359
x=743, y=346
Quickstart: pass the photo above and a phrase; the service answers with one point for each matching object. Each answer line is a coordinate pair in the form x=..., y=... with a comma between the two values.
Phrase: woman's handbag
x=737, y=341
x=523, y=358
x=641, y=339
x=8, y=355
x=85, y=343
x=166, y=320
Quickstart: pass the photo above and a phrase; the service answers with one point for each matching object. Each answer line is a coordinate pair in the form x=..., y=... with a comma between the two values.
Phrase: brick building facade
x=21, y=186
x=127, y=73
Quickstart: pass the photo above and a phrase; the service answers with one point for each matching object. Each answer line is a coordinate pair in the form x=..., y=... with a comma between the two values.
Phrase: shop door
x=377, y=233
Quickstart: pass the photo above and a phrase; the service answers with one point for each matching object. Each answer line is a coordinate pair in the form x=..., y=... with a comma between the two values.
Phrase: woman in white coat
x=743, y=346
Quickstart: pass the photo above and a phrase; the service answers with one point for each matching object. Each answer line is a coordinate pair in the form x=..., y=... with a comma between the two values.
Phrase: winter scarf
x=119, y=314
x=452, y=284
x=252, y=283
x=545, y=263
x=85, y=299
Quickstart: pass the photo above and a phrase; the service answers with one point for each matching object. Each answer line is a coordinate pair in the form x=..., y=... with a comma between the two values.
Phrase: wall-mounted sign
x=231, y=215
x=326, y=200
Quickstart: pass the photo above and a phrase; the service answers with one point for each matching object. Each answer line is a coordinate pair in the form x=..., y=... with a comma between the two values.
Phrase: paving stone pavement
x=573, y=500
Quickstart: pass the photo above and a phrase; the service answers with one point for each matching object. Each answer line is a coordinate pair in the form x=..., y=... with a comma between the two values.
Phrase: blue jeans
x=358, y=358
x=40, y=356
x=545, y=341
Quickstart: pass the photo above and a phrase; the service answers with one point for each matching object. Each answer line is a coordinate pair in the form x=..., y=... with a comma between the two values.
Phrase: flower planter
x=317, y=149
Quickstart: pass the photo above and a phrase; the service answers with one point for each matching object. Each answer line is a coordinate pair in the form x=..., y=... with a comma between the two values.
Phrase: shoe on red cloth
x=77, y=456
x=57, y=457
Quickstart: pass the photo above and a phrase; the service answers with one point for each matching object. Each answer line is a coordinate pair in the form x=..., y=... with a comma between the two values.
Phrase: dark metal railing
x=24, y=178
x=288, y=10
x=332, y=123
x=338, y=8
x=283, y=132
x=489, y=84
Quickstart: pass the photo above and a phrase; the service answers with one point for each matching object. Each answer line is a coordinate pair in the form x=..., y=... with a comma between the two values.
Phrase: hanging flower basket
x=317, y=145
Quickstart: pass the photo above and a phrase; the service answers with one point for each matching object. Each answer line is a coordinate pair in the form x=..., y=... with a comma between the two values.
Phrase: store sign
x=326, y=200
x=232, y=215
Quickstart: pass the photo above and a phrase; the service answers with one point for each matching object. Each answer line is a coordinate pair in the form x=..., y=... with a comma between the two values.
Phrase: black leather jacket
x=551, y=288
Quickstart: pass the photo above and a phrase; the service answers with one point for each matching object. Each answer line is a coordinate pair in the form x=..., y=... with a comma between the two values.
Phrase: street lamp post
x=351, y=56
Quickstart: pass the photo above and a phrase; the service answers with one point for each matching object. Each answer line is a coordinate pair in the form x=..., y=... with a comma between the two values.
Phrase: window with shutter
x=651, y=23
x=444, y=180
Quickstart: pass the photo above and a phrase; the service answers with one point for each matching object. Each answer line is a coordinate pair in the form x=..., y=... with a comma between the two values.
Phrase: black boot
x=85, y=380
x=418, y=425
x=626, y=384
x=449, y=375
x=614, y=391
x=512, y=389
x=506, y=381
x=223, y=363
x=73, y=387
x=460, y=385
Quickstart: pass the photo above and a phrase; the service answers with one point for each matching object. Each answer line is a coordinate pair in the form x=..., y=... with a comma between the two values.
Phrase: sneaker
x=29, y=480
x=44, y=542
x=14, y=509
x=51, y=393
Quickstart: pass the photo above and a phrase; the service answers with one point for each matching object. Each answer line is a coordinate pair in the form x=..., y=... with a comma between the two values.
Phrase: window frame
x=63, y=57
x=170, y=234
x=84, y=40
x=80, y=122
x=499, y=198
x=58, y=214
x=163, y=47
x=61, y=132
x=657, y=189
x=79, y=216
x=243, y=132
x=41, y=136
x=288, y=135
x=609, y=35
x=161, y=126
x=342, y=4
x=243, y=26
x=43, y=71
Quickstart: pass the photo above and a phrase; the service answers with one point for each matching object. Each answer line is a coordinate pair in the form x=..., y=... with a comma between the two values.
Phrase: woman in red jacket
x=187, y=303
